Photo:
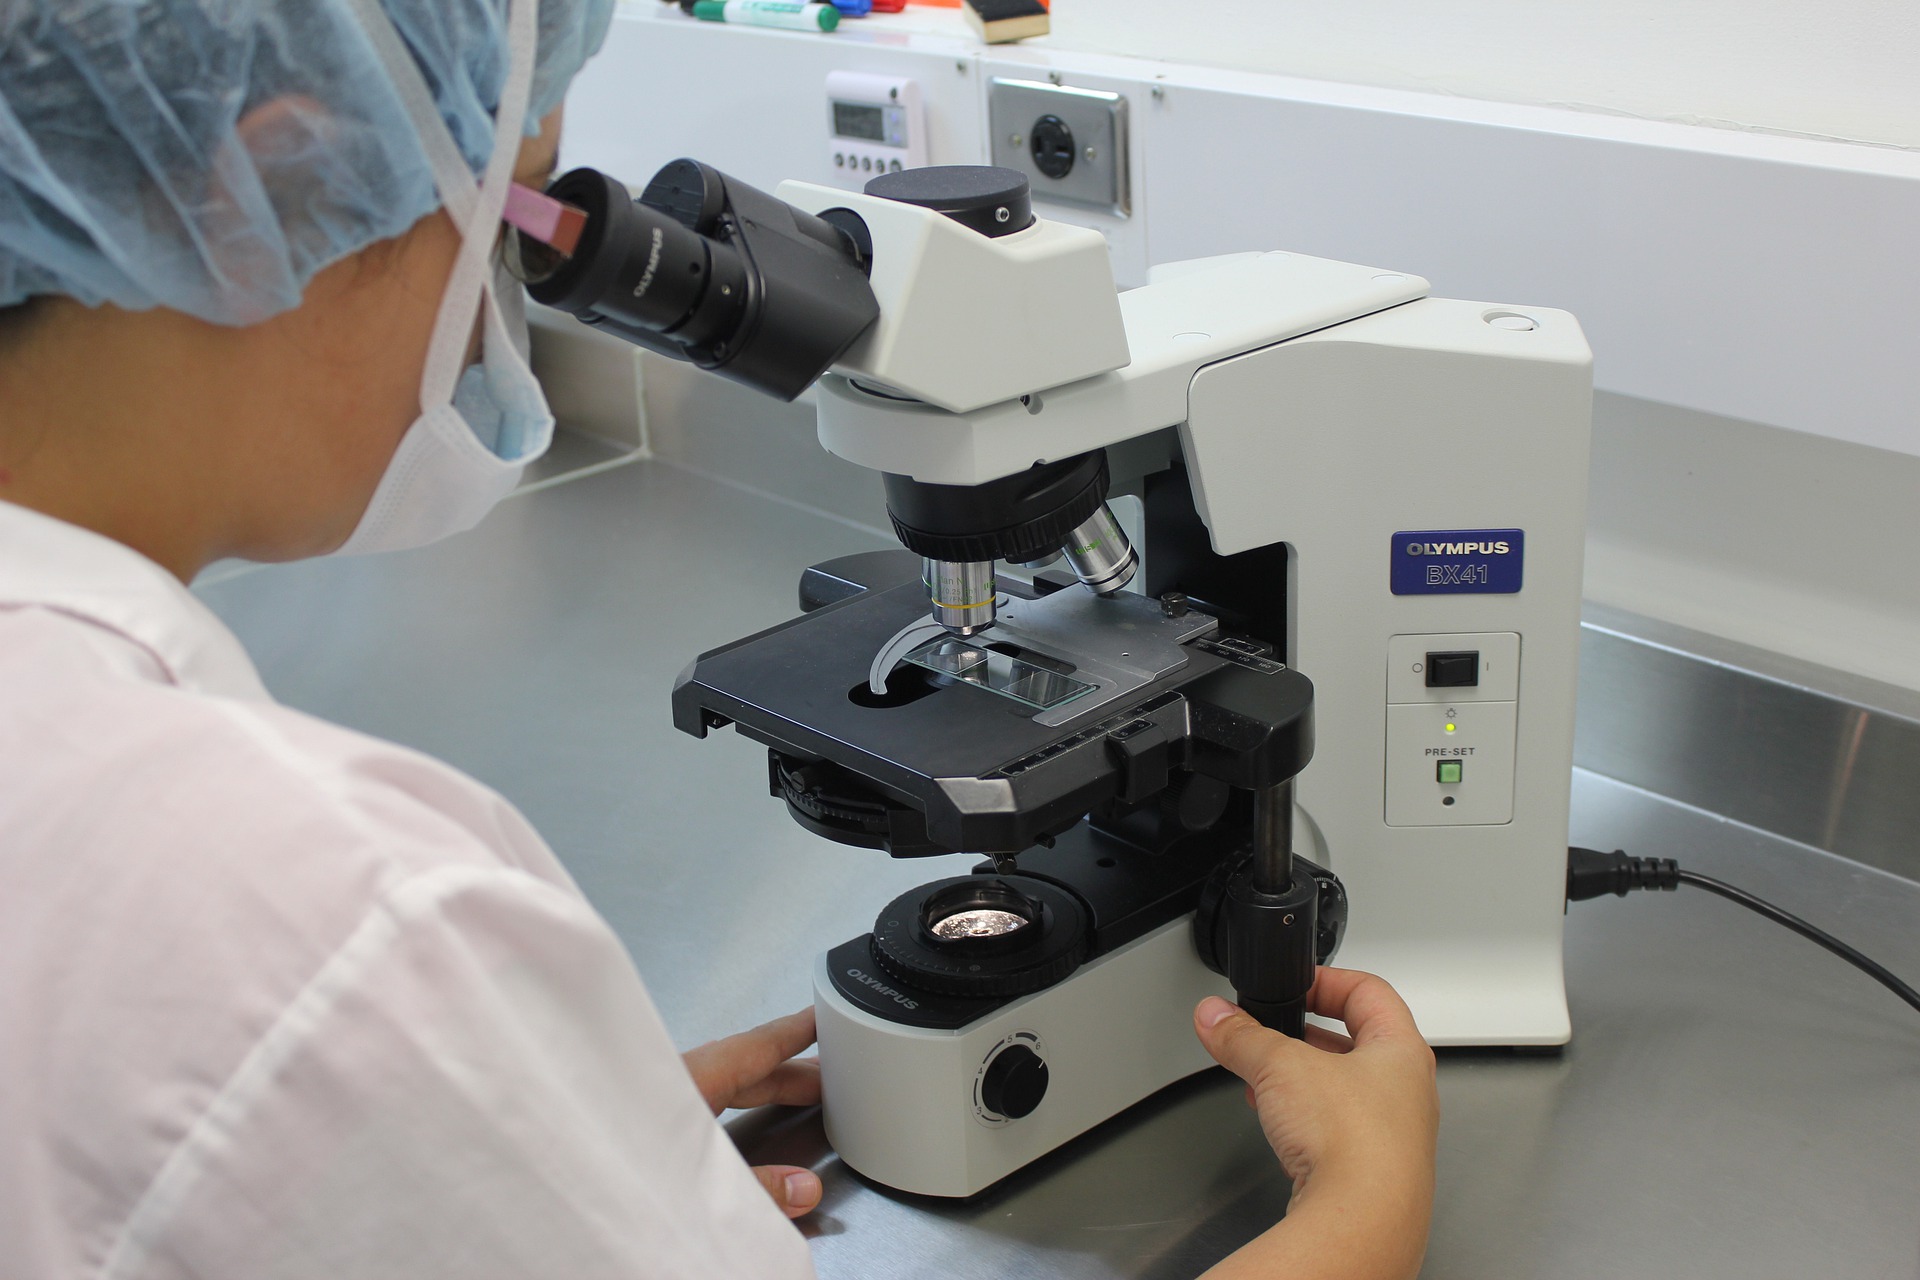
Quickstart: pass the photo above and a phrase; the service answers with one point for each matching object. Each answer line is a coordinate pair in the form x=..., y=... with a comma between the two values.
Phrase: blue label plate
x=1430, y=562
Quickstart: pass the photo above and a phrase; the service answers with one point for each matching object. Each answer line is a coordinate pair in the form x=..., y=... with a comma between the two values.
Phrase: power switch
x=1459, y=669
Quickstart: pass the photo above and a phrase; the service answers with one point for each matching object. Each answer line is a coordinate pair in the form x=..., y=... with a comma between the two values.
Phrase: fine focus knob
x=1015, y=1082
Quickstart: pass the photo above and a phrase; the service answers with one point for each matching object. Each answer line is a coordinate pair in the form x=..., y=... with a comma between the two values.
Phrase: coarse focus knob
x=1015, y=1082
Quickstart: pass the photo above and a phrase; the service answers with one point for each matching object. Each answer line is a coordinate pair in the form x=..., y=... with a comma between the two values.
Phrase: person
x=278, y=999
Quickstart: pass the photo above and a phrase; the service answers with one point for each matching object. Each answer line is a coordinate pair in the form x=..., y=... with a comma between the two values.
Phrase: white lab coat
x=279, y=1000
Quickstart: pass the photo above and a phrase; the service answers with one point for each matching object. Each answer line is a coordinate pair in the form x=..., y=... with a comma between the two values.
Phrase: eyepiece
x=710, y=270
x=642, y=268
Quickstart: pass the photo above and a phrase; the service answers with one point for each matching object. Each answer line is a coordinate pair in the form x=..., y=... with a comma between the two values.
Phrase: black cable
x=1591, y=873
x=1872, y=968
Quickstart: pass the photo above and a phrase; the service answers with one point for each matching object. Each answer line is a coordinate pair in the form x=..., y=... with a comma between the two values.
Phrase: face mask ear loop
x=496, y=337
x=477, y=214
x=472, y=270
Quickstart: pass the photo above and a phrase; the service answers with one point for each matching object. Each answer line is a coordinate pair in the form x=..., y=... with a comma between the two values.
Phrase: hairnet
x=212, y=155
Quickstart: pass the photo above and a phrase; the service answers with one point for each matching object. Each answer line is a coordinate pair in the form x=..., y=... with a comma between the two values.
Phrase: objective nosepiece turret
x=962, y=530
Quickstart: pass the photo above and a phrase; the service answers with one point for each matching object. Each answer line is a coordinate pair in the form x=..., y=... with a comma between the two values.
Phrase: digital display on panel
x=855, y=120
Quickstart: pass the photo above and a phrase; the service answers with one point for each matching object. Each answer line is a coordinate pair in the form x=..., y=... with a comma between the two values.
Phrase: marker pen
x=795, y=15
x=850, y=8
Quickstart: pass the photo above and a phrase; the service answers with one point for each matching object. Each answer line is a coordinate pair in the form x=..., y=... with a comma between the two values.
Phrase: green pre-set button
x=1448, y=770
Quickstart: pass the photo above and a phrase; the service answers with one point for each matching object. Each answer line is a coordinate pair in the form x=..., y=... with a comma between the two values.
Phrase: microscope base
x=904, y=1105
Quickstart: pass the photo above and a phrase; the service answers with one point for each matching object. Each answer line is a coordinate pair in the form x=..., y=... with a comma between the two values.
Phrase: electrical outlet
x=1071, y=143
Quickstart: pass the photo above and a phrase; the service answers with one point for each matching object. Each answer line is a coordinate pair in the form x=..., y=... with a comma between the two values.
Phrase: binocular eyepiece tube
x=705, y=268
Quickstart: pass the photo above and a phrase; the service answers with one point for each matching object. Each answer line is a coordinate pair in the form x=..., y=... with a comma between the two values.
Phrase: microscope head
x=934, y=287
x=980, y=301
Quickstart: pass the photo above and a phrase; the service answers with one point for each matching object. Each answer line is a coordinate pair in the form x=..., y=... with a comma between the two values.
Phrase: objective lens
x=962, y=594
x=1100, y=553
x=983, y=923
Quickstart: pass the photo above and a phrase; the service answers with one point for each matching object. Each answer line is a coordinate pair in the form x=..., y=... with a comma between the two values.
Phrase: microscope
x=1235, y=621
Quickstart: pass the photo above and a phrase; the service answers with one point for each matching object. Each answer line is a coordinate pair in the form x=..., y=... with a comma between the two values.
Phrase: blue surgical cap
x=212, y=155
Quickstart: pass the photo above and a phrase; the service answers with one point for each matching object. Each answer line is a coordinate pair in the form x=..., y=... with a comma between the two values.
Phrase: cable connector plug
x=1591, y=873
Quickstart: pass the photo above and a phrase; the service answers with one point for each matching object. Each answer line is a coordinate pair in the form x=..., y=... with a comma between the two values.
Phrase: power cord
x=1591, y=873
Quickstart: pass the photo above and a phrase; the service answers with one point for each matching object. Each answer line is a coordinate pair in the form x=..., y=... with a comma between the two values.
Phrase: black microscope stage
x=940, y=765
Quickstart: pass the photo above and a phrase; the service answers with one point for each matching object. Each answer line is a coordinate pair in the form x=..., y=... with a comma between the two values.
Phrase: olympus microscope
x=1352, y=584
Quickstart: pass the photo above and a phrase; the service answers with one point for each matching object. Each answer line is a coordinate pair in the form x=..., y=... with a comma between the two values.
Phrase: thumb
x=794, y=1189
x=1236, y=1041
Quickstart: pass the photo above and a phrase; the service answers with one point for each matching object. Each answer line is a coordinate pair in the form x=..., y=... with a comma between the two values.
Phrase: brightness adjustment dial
x=1014, y=1083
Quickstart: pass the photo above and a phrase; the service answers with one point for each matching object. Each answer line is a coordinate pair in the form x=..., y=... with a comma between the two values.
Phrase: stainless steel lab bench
x=1735, y=1103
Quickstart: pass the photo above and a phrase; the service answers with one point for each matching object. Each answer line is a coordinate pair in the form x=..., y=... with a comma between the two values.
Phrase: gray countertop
x=1735, y=1102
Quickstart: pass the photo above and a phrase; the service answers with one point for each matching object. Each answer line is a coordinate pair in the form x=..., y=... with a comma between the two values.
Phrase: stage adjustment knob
x=1015, y=1082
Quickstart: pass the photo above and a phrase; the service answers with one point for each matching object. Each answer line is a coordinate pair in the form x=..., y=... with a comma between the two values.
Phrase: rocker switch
x=1459, y=669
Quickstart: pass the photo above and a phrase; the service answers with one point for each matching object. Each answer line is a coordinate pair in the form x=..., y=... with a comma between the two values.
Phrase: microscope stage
x=940, y=765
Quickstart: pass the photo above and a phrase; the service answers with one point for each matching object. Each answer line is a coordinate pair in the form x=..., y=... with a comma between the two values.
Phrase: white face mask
x=479, y=425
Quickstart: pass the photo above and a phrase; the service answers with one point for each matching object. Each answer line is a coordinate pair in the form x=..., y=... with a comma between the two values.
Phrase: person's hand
x=757, y=1068
x=1353, y=1119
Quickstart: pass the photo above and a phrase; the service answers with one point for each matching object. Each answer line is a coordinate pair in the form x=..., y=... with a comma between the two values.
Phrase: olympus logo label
x=881, y=988
x=1458, y=561
x=653, y=264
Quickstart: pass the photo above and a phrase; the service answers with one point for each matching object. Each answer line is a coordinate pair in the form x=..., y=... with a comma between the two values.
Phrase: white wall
x=1829, y=68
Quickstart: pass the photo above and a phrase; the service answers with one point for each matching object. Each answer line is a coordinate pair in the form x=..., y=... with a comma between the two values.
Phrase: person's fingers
x=1236, y=1041
x=725, y=1068
x=1331, y=1041
x=794, y=1189
x=791, y=1084
x=1371, y=1009
x=786, y=1036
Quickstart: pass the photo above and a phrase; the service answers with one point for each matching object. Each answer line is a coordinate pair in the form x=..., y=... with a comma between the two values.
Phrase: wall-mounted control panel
x=875, y=124
x=1452, y=713
x=1071, y=143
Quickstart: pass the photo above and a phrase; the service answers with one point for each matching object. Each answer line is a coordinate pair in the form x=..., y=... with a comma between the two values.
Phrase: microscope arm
x=1174, y=327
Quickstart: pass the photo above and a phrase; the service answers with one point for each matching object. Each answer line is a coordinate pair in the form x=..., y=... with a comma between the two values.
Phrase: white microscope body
x=1423, y=463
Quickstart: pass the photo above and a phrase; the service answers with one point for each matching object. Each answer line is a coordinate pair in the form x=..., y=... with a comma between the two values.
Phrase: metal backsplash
x=1804, y=752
